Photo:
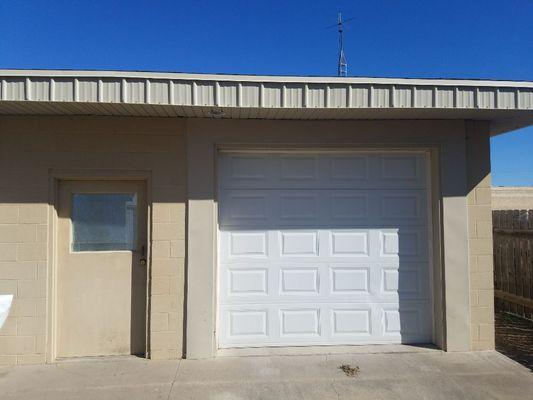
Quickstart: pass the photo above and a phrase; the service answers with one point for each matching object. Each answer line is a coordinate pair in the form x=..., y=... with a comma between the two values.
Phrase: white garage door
x=323, y=248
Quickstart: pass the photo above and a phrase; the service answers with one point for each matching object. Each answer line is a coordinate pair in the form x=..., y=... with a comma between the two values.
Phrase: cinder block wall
x=30, y=147
x=480, y=236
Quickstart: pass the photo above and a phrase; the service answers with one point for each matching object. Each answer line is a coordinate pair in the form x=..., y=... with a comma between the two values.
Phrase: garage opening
x=326, y=248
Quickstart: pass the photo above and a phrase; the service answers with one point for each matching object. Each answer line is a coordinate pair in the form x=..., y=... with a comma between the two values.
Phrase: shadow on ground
x=514, y=338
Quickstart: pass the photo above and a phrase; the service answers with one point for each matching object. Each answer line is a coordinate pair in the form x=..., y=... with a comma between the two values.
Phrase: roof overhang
x=508, y=105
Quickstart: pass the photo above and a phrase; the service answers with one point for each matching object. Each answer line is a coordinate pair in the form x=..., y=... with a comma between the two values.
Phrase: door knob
x=143, y=255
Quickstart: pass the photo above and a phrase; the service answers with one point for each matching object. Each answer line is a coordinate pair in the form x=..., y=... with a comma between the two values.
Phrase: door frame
x=203, y=217
x=56, y=176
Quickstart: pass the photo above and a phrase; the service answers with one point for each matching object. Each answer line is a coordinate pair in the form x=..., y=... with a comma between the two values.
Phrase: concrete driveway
x=428, y=375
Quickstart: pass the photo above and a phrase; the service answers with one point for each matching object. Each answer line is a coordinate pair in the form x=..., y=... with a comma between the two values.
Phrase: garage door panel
x=323, y=171
x=349, y=280
x=387, y=245
x=406, y=323
x=250, y=324
x=298, y=281
x=246, y=284
x=406, y=243
x=299, y=322
x=247, y=281
x=298, y=244
x=323, y=249
x=350, y=321
x=323, y=208
x=302, y=324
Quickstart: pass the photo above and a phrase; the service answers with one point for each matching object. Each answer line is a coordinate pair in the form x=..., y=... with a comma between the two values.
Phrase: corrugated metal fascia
x=236, y=96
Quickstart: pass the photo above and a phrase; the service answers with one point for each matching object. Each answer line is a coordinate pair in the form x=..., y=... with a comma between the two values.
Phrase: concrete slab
x=433, y=375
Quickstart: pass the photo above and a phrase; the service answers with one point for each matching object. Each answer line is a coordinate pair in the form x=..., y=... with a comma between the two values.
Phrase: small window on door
x=103, y=221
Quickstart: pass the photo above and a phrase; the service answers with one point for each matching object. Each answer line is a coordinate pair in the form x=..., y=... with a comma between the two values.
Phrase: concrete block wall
x=480, y=237
x=23, y=255
x=32, y=147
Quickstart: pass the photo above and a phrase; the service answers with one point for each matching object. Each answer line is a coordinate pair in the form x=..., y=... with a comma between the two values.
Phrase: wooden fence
x=513, y=261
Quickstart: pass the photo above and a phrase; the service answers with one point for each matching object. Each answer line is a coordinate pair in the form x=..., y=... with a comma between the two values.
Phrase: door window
x=103, y=221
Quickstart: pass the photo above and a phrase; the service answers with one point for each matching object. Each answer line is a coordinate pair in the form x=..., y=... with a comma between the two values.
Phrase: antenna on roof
x=342, y=68
x=342, y=64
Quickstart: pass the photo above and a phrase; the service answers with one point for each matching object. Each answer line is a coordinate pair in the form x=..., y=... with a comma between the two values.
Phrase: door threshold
x=100, y=358
x=328, y=350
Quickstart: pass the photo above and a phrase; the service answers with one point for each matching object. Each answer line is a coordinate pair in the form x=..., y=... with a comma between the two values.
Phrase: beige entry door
x=101, y=268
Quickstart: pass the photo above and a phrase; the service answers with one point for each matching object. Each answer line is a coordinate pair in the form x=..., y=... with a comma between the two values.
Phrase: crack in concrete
x=335, y=389
x=174, y=379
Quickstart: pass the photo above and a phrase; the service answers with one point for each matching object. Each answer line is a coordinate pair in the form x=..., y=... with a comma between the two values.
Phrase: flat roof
x=508, y=105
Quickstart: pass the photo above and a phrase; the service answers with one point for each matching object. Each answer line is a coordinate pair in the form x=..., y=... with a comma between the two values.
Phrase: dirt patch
x=349, y=370
x=514, y=338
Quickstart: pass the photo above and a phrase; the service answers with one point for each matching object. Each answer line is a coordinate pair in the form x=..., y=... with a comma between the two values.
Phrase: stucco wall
x=31, y=149
x=480, y=236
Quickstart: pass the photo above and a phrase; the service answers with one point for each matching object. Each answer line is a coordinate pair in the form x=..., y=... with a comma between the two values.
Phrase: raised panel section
x=354, y=168
x=401, y=281
x=405, y=168
x=351, y=322
x=298, y=206
x=298, y=168
x=248, y=168
x=390, y=243
x=349, y=206
x=299, y=243
x=404, y=243
x=401, y=207
x=248, y=281
x=412, y=243
x=241, y=208
x=299, y=281
x=248, y=244
x=349, y=280
x=349, y=244
x=299, y=322
x=405, y=322
x=248, y=323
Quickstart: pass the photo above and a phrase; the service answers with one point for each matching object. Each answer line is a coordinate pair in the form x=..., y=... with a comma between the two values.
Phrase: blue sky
x=487, y=39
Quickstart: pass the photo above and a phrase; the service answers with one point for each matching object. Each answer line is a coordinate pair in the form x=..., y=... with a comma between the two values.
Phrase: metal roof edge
x=261, y=78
